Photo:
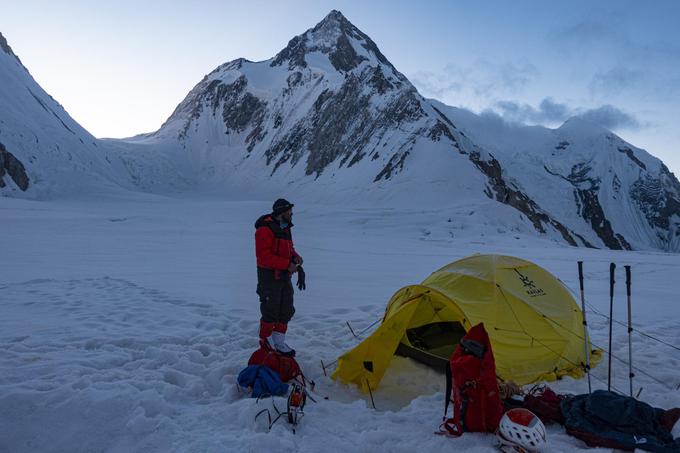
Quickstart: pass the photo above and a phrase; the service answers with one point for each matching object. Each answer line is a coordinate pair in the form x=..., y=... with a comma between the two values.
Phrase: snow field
x=125, y=324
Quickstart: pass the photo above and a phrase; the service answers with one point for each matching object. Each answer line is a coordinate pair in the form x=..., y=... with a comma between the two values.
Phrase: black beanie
x=281, y=206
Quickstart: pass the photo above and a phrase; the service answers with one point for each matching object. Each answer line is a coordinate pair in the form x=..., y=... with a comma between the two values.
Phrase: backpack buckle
x=473, y=347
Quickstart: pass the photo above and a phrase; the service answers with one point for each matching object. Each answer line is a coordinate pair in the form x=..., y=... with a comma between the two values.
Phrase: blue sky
x=121, y=67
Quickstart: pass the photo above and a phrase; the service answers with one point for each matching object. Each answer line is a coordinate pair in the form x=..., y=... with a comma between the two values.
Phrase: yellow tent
x=535, y=326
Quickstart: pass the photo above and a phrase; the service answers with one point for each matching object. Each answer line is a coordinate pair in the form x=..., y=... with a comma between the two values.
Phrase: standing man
x=277, y=261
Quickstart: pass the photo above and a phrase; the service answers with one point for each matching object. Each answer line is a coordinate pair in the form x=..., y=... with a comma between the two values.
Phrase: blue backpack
x=263, y=380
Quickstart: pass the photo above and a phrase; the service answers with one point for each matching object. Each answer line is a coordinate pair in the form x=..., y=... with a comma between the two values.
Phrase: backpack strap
x=449, y=426
x=449, y=389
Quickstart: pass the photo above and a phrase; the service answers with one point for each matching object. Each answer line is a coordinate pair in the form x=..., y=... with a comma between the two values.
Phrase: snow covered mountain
x=329, y=119
x=42, y=149
x=627, y=196
x=331, y=112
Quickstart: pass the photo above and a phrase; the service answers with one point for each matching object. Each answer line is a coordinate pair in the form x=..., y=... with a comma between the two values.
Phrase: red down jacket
x=273, y=245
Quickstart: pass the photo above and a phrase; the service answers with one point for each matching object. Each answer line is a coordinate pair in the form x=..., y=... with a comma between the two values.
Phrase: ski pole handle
x=580, y=274
x=627, y=280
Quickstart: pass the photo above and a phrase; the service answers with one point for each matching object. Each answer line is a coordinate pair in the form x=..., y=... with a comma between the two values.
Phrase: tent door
x=432, y=344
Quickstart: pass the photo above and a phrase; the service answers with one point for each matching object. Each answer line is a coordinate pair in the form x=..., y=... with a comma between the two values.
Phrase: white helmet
x=522, y=431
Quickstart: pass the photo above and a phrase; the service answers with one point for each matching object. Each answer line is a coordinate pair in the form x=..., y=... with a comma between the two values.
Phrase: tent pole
x=612, y=268
x=370, y=392
x=630, y=330
x=586, y=339
x=351, y=330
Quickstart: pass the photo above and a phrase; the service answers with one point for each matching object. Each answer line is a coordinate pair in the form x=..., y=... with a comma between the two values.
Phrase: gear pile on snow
x=270, y=373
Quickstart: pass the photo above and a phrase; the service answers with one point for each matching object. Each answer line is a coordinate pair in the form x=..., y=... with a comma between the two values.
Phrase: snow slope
x=125, y=324
x=626, y=196
x=57, y=156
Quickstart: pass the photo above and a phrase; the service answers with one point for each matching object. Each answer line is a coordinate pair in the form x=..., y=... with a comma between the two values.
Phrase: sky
x=121, y=67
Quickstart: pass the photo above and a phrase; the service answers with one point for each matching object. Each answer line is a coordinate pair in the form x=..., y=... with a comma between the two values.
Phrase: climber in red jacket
x=277, y=261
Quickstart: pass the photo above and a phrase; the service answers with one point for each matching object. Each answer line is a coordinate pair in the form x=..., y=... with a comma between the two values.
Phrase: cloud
x=588, y=31
x=642, y=84
x=435, y=85
x=611, y=117
x=613, y=38
x=617, y=79
x=482, y=79
x=550, y=112
x=632, y=63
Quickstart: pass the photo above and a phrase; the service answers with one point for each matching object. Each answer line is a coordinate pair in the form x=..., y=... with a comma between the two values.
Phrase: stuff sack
x=607, y=419
x=286, y=367
x=262, y=380
x=545, y=403
x=472, y=387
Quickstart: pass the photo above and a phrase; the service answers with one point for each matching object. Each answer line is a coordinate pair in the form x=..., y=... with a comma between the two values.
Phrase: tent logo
x=529, y=285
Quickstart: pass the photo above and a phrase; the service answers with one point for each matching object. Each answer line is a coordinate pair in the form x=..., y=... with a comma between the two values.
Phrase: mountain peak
x=335, y=17
x=582, y=126
x=6, y=48
x=344, y=44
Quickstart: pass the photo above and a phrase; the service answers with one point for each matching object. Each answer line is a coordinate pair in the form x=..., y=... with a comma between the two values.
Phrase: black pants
x=276, y=296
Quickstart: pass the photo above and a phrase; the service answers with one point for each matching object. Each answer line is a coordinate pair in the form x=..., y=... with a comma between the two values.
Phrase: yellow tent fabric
x=535, y=325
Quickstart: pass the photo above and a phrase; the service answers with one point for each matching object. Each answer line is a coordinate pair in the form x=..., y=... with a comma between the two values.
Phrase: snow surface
x=125, y=323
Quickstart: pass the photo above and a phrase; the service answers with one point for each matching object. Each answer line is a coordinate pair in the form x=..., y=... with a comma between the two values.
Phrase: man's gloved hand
x=292, y=268
x=301, y=279
x=298, y=260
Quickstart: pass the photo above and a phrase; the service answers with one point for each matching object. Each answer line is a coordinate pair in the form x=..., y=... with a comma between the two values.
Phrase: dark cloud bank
x=551, y=112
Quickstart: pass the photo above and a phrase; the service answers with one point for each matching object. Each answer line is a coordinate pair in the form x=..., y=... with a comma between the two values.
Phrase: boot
x=279, y=340
x=266, y=329
x=269, y=342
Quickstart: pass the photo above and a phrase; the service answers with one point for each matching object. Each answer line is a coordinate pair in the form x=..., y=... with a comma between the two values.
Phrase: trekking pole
x=612, y=268
x=630, y=330
x=585, y=324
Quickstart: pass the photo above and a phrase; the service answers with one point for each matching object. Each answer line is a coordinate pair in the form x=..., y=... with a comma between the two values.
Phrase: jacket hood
x=266, y=220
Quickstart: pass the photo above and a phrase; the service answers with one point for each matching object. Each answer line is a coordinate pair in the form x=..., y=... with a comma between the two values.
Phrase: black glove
x=301, y=279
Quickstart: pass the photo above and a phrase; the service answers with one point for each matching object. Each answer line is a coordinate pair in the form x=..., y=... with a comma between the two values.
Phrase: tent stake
x=612, y=268
x=585, y=324
x=630, y=330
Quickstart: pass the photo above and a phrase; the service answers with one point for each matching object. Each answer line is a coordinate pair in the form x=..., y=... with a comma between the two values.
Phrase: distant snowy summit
x=329, y=118
x=321, y=101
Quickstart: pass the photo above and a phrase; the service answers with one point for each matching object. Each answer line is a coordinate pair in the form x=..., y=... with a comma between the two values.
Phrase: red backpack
x=471, y=380
x=286, y=367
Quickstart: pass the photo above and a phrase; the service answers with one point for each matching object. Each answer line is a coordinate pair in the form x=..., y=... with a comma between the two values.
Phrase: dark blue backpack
x=263, y=380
